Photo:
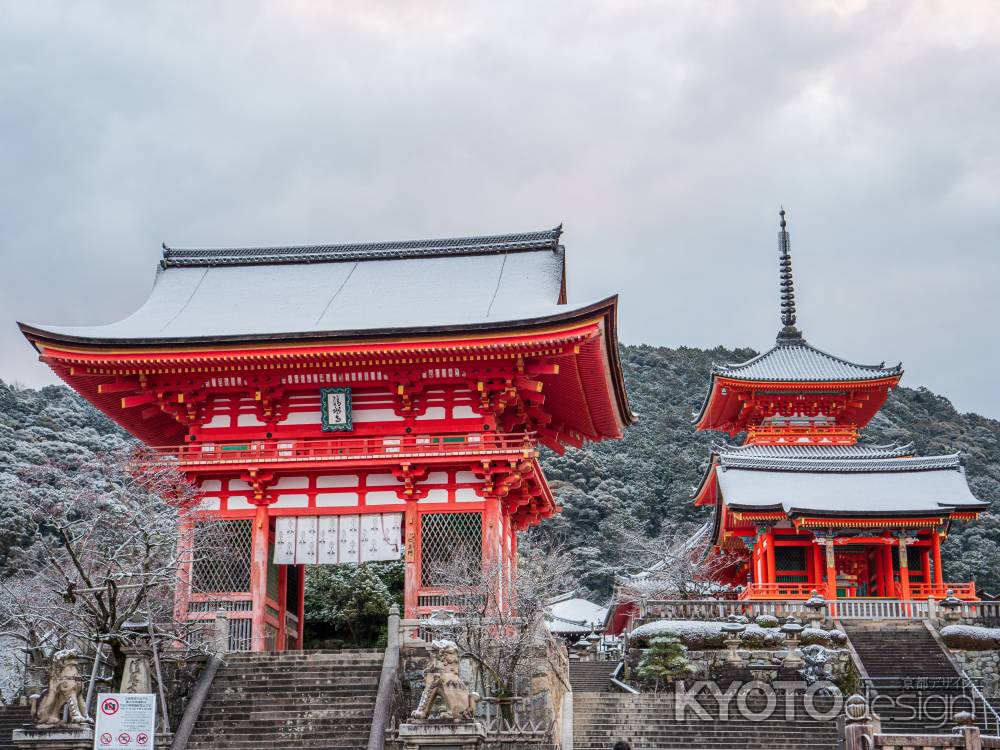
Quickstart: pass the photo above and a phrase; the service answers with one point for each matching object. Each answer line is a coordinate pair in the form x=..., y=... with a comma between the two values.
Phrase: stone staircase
x=11, y=718
x=648, y=721
x=908, y=669
x=591, y=676
x=297, y=699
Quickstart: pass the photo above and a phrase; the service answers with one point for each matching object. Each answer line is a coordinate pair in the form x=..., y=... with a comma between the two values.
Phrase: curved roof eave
x=572, y=314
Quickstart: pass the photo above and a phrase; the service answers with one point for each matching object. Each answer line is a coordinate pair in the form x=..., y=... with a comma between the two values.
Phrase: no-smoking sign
x=125, y=721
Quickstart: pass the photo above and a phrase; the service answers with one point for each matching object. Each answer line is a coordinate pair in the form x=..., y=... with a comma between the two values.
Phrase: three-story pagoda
x=801, y=504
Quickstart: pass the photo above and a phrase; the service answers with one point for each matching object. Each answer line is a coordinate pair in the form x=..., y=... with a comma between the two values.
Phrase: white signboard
x=305, y=540
x=347, y=550
x=284, y=540
x=125, y=721
x=327, y=541
x=333, y=539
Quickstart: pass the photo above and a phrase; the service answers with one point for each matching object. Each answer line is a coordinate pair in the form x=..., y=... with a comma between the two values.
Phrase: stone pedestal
x=442, y=735
x=63, y=738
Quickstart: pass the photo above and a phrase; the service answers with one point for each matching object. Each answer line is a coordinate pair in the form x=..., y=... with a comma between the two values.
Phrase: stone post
x=859, y=727
x=969, y=731
x=220, y=633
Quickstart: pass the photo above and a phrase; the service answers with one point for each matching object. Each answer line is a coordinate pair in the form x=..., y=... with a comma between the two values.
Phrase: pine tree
x=665, y=661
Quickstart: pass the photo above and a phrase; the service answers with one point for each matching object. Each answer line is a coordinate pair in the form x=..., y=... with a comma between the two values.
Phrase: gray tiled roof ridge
x=814, y=465
x=547, y=239
x=870, y=372
x=813, y=450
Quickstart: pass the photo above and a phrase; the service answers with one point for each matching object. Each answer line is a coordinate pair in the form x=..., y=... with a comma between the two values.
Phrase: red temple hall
x=801, y=505
x=348, y=403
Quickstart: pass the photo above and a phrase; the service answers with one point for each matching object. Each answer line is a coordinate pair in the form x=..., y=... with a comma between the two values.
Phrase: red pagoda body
x=346, y=403
x=801, y=504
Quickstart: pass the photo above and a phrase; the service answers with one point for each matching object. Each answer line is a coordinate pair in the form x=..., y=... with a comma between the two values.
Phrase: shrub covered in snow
x=971, y=637
x=766, y=621
x=822, y=637
x=699, y=635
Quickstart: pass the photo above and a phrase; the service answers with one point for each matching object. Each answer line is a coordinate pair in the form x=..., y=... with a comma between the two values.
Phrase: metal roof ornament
x=789, y=334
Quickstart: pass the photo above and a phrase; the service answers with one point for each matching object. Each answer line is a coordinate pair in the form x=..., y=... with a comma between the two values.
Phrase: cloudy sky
x=665, y=135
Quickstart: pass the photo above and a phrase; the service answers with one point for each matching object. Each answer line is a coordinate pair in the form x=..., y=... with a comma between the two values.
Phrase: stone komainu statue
x=65, y=689
x=442, y=683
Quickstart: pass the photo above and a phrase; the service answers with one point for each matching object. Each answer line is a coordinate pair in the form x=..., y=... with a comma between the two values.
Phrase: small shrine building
x=801, y=504
x=348, y=403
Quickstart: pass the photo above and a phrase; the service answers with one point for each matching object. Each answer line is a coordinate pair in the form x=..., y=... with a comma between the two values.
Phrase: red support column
x=904, y=570
x=411, y=573
x=258, y=578
x=282, y=606
x=817, y=565
x=302, y=607
x=772, y=572
x=925, y=554
x=831, y=570
x=887, y=570
x=879, y=573
x=936, y=552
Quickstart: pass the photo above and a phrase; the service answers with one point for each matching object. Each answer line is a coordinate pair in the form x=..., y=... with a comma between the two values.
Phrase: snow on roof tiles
x=208, y=294
x=868, y=493
x=547, y=239
x=839, y=463
x=796, y=360
x=574, y=615
x=811, y=450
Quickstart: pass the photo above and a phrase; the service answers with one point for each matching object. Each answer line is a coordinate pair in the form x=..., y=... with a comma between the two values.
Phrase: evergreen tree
x=665, y=661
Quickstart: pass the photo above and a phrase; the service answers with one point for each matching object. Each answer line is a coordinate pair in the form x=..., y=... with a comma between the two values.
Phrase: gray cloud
x=663, y=134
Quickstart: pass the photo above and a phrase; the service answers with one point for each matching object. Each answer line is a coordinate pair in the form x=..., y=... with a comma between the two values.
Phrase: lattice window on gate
x=790, y=563
x=222, y=551
x=447, y=539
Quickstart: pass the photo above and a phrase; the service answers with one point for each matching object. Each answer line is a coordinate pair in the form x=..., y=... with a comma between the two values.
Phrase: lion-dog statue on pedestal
x=442, y=682
x=65, y=689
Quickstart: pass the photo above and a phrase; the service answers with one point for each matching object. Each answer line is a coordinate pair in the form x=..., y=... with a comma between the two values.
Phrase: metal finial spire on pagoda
x=789, y=333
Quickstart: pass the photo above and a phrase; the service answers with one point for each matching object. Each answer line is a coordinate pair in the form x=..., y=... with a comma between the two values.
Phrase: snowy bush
x=698, y=635
x=766, y=621
x=971, y=637
x=665, y=661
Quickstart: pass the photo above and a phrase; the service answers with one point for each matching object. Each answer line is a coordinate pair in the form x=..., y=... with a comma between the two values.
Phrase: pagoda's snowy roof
x=795, y=360
x=574, y=615
x=436, y=285
x=923, y=490
x=812, y=450
x=838, y=462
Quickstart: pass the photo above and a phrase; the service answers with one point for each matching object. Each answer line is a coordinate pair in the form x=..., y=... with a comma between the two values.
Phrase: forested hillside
x=647, y=478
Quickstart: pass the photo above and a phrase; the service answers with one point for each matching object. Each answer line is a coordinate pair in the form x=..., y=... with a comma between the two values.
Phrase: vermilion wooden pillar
x=817, y=567
x=904, y=571
x=879, y=572
x=492, y=552
x=887, y=571
x=302, y=607
x=926, y=555
x=258, y=577
x=282, y=607
x=772, y=570
x=936, y=553
x=831, y=571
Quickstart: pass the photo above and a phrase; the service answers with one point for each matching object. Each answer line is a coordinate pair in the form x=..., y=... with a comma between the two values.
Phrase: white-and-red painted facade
x=445, y=421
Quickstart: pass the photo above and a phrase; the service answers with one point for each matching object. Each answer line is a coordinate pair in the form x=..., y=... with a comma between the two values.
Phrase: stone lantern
x=732, y=628
x=593, y=641
x=792, y=629
x=952, y=607
x=816, y=605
